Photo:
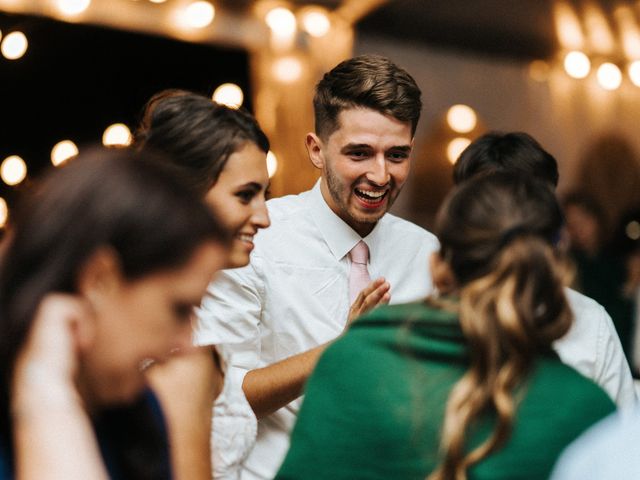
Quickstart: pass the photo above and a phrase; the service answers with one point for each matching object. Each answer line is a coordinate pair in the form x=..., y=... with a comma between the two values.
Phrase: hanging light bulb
x=198, y=14
x=272, y=163
x=577, y=64
x=609, y=76
x=117, y=135
x=228, y=94
x=63, y=151
x=462, y=118
x=13, y=170
x=14, y=45
x=315, y=22
x=72, y=7
x=456, y=147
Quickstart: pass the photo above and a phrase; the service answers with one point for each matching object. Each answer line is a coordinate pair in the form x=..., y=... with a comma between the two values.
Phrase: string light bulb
x=634, y=72
x=281, y=21
x=117, y=135
x=462, y=118
x=315, y=22
x=272, y=163
x=229, y=94
x=14, y=45
x=456, y=147
x=63, y=151
x=4, y=212
x=609, y=76
x=13, y=170
x=287, y=69
x=72, y=7
x=198, y=14
x=577, y=64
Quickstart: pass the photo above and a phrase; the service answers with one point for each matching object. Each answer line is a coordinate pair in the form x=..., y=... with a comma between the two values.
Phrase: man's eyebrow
x=353, y=146
x=402, y=148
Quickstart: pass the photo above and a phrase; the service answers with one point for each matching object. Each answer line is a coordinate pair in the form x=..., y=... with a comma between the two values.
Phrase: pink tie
x=358, y=275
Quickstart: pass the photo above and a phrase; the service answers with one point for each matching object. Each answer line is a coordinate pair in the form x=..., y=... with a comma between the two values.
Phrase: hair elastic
x=512, y=233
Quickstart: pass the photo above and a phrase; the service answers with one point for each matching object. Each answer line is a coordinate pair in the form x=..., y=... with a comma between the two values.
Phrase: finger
x=376, y=296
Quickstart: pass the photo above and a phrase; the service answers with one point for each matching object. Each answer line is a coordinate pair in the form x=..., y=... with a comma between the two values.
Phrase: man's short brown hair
x=368, y=81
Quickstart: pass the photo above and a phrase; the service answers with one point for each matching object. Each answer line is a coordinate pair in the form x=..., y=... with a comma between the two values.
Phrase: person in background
x=219, y=154
x=466, y=384
x=104, y=266
x=626, y=242
x=273, y=318
x=591, y=345
x=601, y=269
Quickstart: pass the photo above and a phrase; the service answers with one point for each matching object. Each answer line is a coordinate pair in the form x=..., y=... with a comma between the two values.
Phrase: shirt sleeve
x=613, y=373
x=234, y=429
x=229, y=318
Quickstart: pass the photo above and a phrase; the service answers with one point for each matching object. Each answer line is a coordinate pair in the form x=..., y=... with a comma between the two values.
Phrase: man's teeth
x=371, y=194
x=245, y=238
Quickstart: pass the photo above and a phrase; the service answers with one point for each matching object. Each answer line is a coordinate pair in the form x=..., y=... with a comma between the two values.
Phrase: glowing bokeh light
x=72, y=7
x=281, y=21
x=116, y=135
x=629, y=30
x=4, y=212
x=577, y=64
x=14, y=45
x=609, y=76
x=63, y=151
x=316, y=22
x=568, y=26
x=462, y=118
x=228, y=94
x=634, y=72
x=287, y=69
x=633, y=230
x=13, y=170
x=598, y=29
x=539, y=70
x=456, y=147
x=272, y=163
x=198, y=14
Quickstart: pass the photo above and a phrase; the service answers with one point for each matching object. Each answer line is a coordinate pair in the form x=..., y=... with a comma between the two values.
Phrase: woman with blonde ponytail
x=466, y=385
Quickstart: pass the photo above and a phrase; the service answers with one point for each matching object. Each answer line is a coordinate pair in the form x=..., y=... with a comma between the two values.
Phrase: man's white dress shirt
x=294, y=296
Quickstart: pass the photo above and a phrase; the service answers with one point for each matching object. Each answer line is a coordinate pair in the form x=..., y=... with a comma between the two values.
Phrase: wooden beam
x=354, y=10
x=228, y=28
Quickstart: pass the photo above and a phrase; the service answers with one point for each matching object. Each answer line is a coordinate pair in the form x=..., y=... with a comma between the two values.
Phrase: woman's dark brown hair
x=497, y=234
x=195, y=135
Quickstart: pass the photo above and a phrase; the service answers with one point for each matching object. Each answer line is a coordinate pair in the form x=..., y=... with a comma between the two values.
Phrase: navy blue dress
x=132, y=439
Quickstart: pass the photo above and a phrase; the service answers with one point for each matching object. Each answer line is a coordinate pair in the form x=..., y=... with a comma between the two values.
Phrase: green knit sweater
x=374, y=405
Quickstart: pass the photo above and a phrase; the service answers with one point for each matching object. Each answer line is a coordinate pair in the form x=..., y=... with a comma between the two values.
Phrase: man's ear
x=100, y=275
x=443, y=278
x=314, y=149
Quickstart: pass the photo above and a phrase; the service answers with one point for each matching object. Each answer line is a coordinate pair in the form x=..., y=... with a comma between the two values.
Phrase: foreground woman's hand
x=52, y=432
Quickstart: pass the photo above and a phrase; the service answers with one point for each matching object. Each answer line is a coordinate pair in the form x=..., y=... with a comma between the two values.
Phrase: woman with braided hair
x=465, y=385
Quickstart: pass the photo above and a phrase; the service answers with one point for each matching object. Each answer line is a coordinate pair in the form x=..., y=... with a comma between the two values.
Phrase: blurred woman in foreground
x=105, y=264
x=465, y=385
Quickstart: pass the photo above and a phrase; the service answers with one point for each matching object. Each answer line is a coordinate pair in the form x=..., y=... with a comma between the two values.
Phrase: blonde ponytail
x=508, y=316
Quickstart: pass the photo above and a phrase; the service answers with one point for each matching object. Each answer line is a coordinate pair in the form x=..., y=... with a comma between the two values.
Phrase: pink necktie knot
x=358, y=274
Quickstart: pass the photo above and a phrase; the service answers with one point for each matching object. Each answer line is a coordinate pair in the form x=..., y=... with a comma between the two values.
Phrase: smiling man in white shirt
x=272, y=319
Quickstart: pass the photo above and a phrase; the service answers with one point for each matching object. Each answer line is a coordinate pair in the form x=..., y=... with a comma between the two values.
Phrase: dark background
x=75, y=80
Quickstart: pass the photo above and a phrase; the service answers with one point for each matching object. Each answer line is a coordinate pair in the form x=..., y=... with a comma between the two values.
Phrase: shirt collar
x=339, y=236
